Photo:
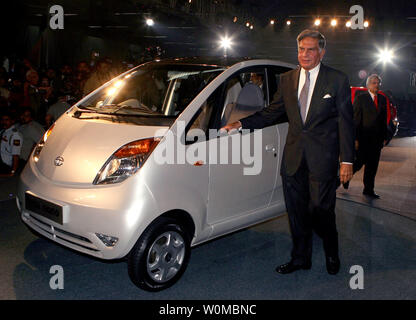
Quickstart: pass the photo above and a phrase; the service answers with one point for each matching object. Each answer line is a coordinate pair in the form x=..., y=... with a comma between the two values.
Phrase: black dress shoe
x=371, y=194
x=291, y=267
x=332, y=265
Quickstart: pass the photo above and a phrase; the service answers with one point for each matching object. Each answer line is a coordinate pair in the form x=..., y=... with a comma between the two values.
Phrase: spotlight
x=288, y=22
x=333, y=22
x=385, y=56
x=150, y=22
x=226, y=42
x=317, y=22
x=348, y=24
x=251, y=27
x=247, y=24
x=366, y=24
x=272, y=21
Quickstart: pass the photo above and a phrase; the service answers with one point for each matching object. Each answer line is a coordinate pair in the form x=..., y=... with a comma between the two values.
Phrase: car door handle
x=270, y=148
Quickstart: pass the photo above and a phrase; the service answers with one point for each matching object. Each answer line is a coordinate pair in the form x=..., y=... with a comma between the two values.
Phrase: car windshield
x=151, y=90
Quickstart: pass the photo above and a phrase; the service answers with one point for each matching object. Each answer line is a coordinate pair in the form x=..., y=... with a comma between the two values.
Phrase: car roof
x=210, y=61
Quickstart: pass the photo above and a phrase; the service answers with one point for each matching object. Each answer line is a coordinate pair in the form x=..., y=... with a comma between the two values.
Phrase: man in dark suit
x=370, y=116
x=316, y=101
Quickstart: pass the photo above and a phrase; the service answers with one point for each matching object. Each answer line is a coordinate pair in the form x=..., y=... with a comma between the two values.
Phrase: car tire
x=160, y=256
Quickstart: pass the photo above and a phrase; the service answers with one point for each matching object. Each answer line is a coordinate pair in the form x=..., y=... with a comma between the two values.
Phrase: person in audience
x=31, y=132
x=10, y=146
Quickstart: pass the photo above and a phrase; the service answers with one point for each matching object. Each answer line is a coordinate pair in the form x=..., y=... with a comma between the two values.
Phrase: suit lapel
x=378, y=108
x=317, y=92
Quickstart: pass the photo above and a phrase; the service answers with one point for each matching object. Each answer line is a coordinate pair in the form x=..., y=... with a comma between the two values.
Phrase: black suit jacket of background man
x=370, y=122
x=327, y=136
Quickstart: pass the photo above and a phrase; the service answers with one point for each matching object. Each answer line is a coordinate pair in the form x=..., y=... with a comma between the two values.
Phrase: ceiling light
x=150, y=22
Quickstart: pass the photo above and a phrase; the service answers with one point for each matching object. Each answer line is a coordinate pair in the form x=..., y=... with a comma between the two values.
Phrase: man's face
x=26, y=117
x=51, y=73
x=33, y=78
x=256, y=79
x=6, y=122
x=309, y=55
x=66, y=69
x=83, y=67
x=373, y=85
x=103, y=67
x=17, y=83
x=45, y=82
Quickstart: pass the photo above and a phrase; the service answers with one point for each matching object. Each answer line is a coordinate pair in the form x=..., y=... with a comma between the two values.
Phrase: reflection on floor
x=395, y=180
x=237, y=266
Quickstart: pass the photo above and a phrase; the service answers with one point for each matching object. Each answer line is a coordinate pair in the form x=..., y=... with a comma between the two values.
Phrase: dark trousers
x=4, y=168
x=311, y=206
x=368, y=155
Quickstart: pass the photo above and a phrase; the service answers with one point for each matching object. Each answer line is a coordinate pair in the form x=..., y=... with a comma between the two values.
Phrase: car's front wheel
x=160, y=256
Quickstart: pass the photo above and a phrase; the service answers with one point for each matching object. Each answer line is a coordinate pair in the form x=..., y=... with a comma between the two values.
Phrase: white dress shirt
x=312, y=77
x=371, y=94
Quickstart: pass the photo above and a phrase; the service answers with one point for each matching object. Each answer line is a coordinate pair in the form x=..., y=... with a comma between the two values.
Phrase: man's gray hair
x=372, y=76
x=312, y=34
x=30, y=71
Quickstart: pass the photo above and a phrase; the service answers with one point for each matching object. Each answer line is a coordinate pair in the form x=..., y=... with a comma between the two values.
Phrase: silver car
x=139, y=168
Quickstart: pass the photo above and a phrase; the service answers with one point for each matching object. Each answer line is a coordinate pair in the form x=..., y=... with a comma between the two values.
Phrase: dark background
x=117, y=29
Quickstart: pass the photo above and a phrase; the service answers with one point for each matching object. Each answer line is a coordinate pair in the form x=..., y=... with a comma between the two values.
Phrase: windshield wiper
x=113, y=110
x=81, y=110
x=117, y=107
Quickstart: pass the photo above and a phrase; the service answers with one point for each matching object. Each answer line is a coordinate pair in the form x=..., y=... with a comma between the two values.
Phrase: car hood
x=85, y=145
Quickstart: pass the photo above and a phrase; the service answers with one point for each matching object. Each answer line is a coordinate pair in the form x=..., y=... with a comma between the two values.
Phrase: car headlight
x=41, y=144
x=126, y=161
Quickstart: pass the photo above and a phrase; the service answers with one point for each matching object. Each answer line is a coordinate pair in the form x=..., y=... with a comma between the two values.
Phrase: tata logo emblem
x=59, y=161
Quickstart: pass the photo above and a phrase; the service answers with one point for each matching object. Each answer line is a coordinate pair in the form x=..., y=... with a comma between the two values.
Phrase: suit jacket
x=328, y=134
x=370, y=122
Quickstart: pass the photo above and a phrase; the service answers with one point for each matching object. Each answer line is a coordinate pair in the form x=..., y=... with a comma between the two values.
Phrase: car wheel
x=160, y=256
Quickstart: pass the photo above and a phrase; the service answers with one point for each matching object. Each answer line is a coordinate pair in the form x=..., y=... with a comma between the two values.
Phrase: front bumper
x=121, y=210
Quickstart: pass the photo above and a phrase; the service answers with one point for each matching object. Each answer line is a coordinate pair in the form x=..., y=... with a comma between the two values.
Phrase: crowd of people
x=31, y=99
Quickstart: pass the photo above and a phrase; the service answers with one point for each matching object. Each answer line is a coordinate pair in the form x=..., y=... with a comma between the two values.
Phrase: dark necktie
x=303, y=98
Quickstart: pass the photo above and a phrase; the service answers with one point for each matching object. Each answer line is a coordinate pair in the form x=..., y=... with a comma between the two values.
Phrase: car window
x=245, y=94
x=205, y=118
x=151, y=90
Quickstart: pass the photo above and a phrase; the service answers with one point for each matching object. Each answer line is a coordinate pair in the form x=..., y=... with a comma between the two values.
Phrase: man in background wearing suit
x=370, y=116
x=316, y=101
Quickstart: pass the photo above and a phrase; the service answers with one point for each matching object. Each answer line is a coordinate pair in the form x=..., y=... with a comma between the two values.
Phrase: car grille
x=63, y=235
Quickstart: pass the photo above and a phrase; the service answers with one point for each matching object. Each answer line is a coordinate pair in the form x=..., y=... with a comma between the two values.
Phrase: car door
x=273, y=80
x=242, y=177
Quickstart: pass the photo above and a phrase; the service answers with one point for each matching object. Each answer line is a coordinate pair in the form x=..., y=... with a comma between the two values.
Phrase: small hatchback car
x=139, y=168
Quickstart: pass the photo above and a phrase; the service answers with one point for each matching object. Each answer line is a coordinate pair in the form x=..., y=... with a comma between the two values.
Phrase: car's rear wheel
x=160, y=256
